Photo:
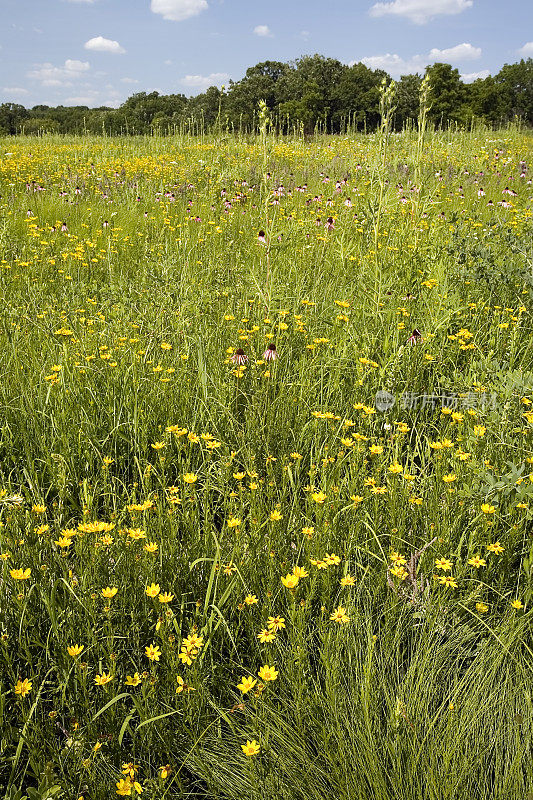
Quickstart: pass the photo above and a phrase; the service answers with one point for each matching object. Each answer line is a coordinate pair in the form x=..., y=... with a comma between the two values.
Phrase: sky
x=99, y=52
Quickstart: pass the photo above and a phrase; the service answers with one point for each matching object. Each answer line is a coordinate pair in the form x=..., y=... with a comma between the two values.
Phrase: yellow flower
x=290, y=581
x=488, y=509
x=444, y=564
x=275, y=516
x=38, y=509
x=251, y=600
x=479, y=430
x=109, y=592
x=133, y=680
x=495, y=548
x=340, y=615
x=190, y=477
x=276, y=623
x=348, y=580
x=477, y=561
x=308, y=531
x=517, y=604
x=158, y=445
x=300, y=572
x=481, y=608
x=246, y=684
x=397, y=558
x=151, y=547
x=166, y=597
x=152, y=652
x=267, y=673
x=251, y=748
x=153, y=590
x=318, y=497
x=375, y=450
x=449, y=478
x=395, y=468
x=20, y=574
x=398, y=571
x=23, y=687
x=233, y=522
x=75, y=650
x=102, y=679
x=265, y=636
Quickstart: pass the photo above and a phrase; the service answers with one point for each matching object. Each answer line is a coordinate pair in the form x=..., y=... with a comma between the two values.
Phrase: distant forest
x=311, y=93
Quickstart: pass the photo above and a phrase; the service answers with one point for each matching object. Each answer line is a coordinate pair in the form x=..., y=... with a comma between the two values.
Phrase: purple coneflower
x=330, y=224
x=270, y=353
x=415, y=337
x=239, y=357
x=64, y=227
x=261, y=237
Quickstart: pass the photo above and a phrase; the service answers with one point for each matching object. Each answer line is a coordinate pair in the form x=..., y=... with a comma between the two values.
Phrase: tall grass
x=117, y=337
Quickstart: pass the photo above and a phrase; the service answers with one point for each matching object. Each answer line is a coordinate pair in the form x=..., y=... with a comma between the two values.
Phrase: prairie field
x=266, y=466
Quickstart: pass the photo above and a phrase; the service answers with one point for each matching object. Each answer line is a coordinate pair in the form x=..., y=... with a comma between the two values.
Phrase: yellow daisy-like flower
x=251, y=748
x=340, y=615
x=275, y=516
x=265, y=636
x=318, y=497
x=477, y=561
x=109, y=592
x=487, y=508
x=190, y=478
x=75, y=650
x=267, y=673
x=133, y=680
x=104, y=678
x=23, y=687
x=152, y=652
x=153, y=590
x=246, y=684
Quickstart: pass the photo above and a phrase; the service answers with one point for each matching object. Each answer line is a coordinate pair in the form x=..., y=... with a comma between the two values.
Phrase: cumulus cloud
x=14, y=90
x=178, y=10
x=396, y=66
x=470, y=77
x=461, y=52
x=205, y=81
x=262, y=30
x=420, y=11
x=49, y=75
x=104, y=45
x=527, y=50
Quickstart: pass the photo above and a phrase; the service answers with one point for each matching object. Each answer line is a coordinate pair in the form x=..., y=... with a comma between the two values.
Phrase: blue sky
x=98, y=52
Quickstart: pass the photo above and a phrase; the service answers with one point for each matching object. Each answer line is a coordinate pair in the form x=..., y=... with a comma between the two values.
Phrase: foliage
x=227, y=570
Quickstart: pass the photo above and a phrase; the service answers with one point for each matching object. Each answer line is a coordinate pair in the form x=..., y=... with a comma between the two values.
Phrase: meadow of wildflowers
x=226, y=570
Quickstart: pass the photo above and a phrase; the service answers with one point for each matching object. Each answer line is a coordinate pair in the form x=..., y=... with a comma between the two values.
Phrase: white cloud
x=178, y=10
x=262, y=30
x=14, y=90
x=470, y=77
x=49, y=75
x=205, y=81
x=420, y=11
x=104, y=45
x=396, y=66
x=527, y=50
x=129, y=80
x=461, y=52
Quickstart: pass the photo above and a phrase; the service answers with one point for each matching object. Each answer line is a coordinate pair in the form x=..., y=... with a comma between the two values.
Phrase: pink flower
x=261, y=237
x=330, y=224
x=415, y=337
x=270, y=353
x=239, y=357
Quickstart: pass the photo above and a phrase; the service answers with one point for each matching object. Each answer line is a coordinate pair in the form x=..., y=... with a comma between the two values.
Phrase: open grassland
x=228, y=570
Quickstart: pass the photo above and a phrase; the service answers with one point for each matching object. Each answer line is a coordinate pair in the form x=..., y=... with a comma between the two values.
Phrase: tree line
x=310, y=93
